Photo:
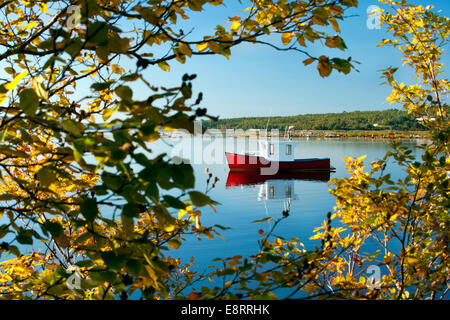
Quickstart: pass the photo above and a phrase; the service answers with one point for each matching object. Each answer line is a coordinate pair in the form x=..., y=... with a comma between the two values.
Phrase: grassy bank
x=365, y=134
x=330, y=134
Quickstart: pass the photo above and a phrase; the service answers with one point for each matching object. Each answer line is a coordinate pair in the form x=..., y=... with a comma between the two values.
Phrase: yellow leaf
x=182, y=212
x=116, y=69
x=43, y=7
x=13, y=84
x=235, y=18
x=214, y=47
x=174, y=244
x=202, y=46
x=195, y=5
x=301, y=40
x=235, y=26
x=2, y=99
x=324, y=66
x=208, y=235
x=152, y=276
x=287, y=37
x=185, y=49
x=63, y=241
x=308, y=61
x=362, y=157
x=30, y=25
x=149, y=15
x=151, y=137
x=169, y=228
x=334, y=24
x=164, y=66
x=197, y=222
x=39, y=88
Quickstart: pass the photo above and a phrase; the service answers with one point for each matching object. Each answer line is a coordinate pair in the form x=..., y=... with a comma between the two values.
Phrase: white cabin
x=274, y=150
x=277, y=190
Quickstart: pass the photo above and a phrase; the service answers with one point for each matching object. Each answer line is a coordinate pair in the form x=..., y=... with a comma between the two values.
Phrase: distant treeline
x=356, y=120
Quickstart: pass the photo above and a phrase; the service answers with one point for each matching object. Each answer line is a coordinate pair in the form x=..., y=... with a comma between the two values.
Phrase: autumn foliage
x=79, y=180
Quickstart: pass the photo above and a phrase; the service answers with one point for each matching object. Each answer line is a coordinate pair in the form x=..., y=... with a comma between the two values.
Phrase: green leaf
x=103, y=276
x=118, y=154
x=4, y=228
x=130, y=77
x=4, y=133
x=134, y=267
x=72, y=127
x=221, y=227
x=186, y=91
x=89, y=209
x=78, y=152
x=112, y=181
x=321, y=14
x=163, y=216
x=46, y=176
x=184, y=175
x=341, y=65
x=54, y=228
x=84, y=263
x=152, y=191
x=131, y=210
x=228, y=272
x=112, y=260
x=174, y=202
x=99, y=86
x=14, y=250
x=29, y=101
x=262, y=220
x=87, y=141
x=24, y=237
x=199, y=199
x=335, y=42
x=74, y=47
x=141, y=159
x=98, y=33
x=124, y=92
x=25, y=136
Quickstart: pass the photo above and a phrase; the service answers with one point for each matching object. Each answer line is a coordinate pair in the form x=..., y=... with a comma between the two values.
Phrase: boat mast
x=268, y=119
x=287, y=132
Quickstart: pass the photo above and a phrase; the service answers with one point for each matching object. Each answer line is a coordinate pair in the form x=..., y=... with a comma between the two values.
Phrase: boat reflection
x=243, y=178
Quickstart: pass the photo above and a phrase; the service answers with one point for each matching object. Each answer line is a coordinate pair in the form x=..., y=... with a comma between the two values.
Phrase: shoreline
x=363, y=134
x=388, y=135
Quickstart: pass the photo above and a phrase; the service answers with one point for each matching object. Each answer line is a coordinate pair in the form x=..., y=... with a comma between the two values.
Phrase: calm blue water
x=243, y=203
x=240, y=205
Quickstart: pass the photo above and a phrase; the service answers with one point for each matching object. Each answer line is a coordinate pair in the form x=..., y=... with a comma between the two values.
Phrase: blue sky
x=259, y=81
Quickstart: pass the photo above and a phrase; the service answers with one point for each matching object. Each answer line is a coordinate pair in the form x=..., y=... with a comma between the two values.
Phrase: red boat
x=239, y=178
x=278, y=156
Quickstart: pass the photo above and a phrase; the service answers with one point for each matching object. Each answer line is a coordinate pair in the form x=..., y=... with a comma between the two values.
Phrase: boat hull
x=243, y=178
x=239, y=162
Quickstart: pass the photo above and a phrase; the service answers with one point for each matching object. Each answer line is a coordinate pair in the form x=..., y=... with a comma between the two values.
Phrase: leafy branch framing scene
x=90, y=209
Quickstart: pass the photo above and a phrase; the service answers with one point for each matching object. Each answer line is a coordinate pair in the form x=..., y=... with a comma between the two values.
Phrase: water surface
x=242, y=203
